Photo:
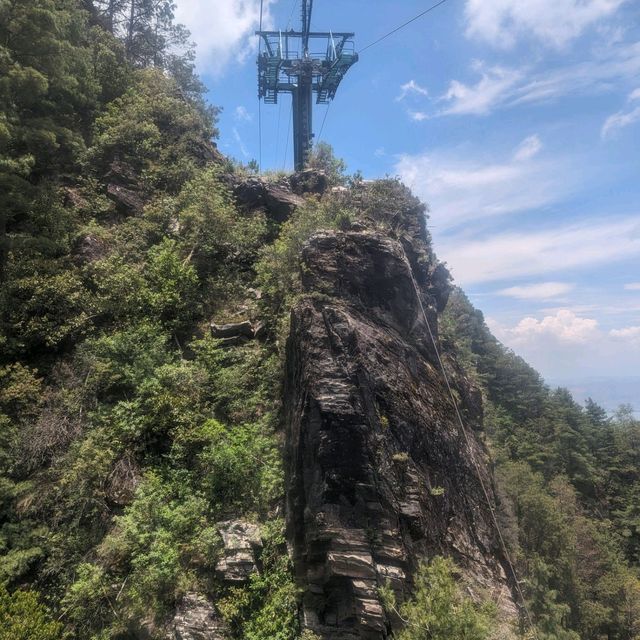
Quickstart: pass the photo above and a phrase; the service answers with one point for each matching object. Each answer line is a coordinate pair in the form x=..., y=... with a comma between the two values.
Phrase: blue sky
x=517, y=121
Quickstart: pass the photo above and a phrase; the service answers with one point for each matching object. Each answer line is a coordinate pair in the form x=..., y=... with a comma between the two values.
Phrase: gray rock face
x=196, y=619
x=379, y=475
x=123, y=188
x=234, y=330
x=127, y=200
x=309, y=181
x=276, y=199
x=241, y=540
x=90, y=248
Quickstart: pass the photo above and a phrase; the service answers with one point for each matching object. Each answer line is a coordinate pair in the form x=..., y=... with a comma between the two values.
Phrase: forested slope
x=129, y=433
x=569, y=481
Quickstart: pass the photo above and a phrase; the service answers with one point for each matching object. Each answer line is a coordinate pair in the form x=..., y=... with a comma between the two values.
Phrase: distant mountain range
x=609, y=392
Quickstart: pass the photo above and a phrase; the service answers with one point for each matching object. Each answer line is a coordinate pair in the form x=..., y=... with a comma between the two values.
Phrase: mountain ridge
x=169, y=467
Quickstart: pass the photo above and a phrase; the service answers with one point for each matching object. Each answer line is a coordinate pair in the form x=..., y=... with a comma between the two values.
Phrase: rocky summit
x=379, y=474
x=239, y=404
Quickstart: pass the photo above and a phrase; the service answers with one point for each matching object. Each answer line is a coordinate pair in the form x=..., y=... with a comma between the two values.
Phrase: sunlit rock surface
x=379, y=474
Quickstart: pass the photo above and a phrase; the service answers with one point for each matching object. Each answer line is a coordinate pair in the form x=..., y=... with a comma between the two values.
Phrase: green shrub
x=173, y=286
x=154, y=130
x=48, y=309
x=23, y=617
x=118, y=363
x=159, y=548
x=266, y=609
x=214, y=231
x=278, y=270
x=439, y=610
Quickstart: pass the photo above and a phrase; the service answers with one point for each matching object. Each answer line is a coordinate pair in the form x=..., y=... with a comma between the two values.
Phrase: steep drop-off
x=146, y=286
x=379, y=475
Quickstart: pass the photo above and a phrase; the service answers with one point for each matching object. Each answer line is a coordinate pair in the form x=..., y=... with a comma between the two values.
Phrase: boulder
x=126, y=200
x=311, y=181
x=249, y=193
x=123, y=188
x=241, y=542
x=232, y=330
x=196, y=619
x=276, y=199
x=280, y=202
x=90, y=248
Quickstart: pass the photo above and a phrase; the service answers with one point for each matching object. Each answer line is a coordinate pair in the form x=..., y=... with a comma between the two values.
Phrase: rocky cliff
x=379, y=475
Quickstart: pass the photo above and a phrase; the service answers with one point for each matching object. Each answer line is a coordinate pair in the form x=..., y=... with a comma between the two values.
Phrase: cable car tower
x=291, y=63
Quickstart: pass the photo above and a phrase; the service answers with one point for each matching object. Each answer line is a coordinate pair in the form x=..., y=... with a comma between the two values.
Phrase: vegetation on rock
x=439, y=610
x=127, y=433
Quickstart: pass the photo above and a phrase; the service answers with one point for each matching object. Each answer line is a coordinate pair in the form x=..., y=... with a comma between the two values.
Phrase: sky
x=516, y=121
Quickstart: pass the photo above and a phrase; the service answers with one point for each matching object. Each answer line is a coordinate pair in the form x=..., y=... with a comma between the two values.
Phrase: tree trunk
x=130, y=29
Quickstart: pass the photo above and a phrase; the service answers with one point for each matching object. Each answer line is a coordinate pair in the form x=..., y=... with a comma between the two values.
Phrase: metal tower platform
x=303, y=63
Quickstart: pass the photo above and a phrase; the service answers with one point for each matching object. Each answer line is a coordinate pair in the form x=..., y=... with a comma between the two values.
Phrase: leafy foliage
x=23, y=617
x=267, y=609
x=564, y=473
x=127, y=432
x=438, y=609
x=154, y=130
x=323, y=158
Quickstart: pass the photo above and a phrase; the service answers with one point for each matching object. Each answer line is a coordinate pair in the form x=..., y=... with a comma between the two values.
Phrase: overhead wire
x=286, y=147
x=402, y=26
x=467, y=439
x=294, y=5
x=260, y=101
x=278, y=132
x=293, y=8
x=324, y=120
x=375, y=42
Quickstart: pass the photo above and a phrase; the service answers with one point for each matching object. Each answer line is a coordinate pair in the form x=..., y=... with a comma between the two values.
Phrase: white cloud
x=520, y=254
x=622, y=118
x=619, y=121
x=632, y=286
x=504, y=87
x=222, y=29
x=564, y=342
x=466, y=186
x=538, y=291
x=628, y=334
x=480, y=98
x=240, y=142
x=242, y=115
x=528, y=148
x=553, y=22
x=564, y=326
x=411, y=88
x=418, y=116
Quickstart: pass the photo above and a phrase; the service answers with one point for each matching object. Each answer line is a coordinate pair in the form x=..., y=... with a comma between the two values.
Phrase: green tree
x=23, y=617
x=323, y=158
x=439, y=610
x=159, y=133
x=48, y=93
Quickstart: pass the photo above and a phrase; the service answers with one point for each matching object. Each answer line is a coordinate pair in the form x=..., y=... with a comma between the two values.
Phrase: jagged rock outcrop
x=309, y=181
x=241, y=541
x=123, y=188
x=379, y=474
x=276, y=199
x=236, y=333
x=196, y=619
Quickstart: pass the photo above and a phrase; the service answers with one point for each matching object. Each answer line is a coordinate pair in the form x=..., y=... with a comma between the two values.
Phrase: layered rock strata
x=379, y=475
